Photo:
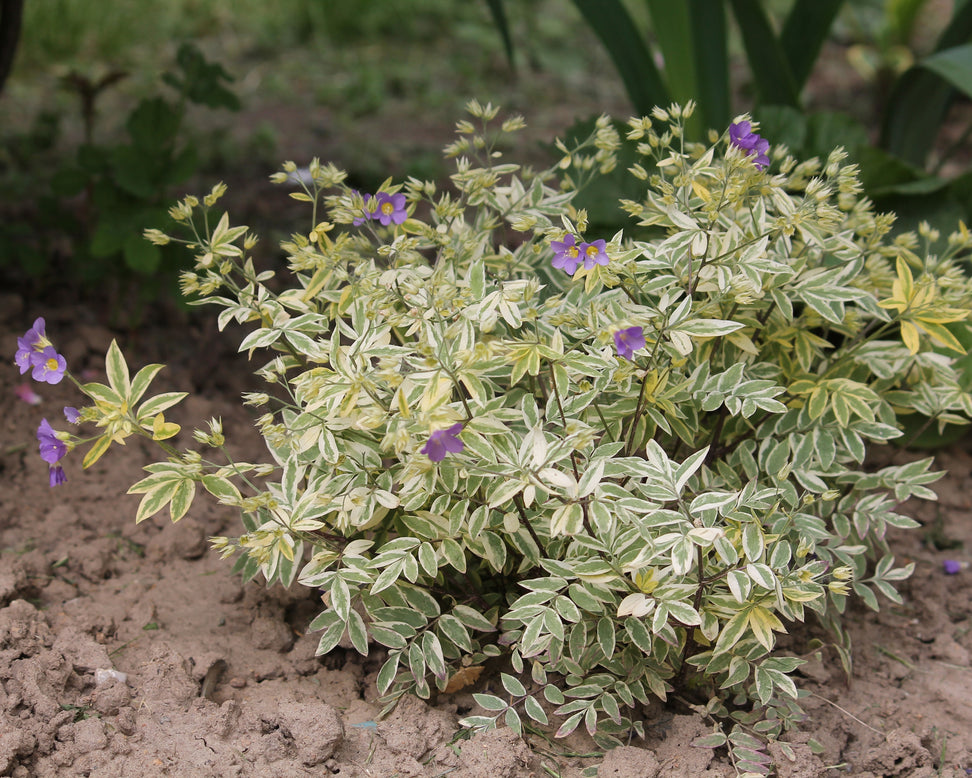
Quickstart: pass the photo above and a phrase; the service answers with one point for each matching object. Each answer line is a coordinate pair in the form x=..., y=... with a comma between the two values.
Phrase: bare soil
x=134, y=651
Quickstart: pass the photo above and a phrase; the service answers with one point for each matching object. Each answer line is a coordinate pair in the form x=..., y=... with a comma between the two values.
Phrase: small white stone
x=107, y=675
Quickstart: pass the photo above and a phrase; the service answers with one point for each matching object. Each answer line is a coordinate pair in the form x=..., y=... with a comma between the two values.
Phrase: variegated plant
x=618, y=465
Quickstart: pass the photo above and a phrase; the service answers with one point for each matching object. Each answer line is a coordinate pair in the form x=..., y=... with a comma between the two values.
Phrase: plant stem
x=521, y=509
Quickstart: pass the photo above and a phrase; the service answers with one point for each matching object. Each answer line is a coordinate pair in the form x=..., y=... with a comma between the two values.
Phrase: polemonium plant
x=620, y=468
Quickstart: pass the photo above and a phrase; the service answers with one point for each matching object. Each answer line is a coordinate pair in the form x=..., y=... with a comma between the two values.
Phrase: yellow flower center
x=387, y=208
x=51, y=364
x=572, y=252
x=592, y=251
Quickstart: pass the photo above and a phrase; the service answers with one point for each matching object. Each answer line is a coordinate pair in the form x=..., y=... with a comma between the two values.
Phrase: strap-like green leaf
x=804, y=32
x=670, y=23
x=770, y=67
x=954, y=65
x=692, y=39
x=614, y=26
x=921, y=98
x=710, y=38
x=498, y=12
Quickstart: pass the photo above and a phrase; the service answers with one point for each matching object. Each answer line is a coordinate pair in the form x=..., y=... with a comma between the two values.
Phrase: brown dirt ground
x=220, y=678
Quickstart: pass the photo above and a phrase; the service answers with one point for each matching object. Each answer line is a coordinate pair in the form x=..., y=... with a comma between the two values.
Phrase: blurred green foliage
x=666, y=52
x=95, y=206
x=670, y=52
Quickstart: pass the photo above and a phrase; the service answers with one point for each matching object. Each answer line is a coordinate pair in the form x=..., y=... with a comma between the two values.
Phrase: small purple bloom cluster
x=52, y=451
x=742, y=137
x=383, y=207
x=36, y=353
x=568, y=254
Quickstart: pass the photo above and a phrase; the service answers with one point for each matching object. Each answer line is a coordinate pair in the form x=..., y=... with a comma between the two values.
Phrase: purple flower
x=28, y=344
x=22, y=357
x=629, y=340
x=442, y=442
x=566, y=254
x=48, y=365
x=73, y=415
x=368, y=213
x=952, y=567
x=52, y=450
x=594, y=254
x=742, y=137
x=390, y=208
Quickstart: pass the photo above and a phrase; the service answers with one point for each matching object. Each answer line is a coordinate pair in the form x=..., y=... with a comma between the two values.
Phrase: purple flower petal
x=742, y=137
x=36, y=333
x=48, y=365
x=52, y=448
x=442, y=442
x=629, y=340
x=594, y=253
x=73, y=415
x=22, y=357
x=368, y=212
x=390, y=208
x=739, y=133
x=28, y=344
x=57, y=476
x=952, y=567
x=566, y=254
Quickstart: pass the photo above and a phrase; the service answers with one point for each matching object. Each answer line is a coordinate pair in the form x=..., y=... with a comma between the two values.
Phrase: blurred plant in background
x=683, y=51
x=667, y=51
x=345, y=62
x=100, y=201
x=418, y=59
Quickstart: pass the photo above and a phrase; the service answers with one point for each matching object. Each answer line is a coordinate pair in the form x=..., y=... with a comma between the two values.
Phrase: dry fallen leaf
x=465, y=676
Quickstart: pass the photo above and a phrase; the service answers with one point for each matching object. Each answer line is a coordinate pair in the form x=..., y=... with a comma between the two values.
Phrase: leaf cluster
x=615, y=530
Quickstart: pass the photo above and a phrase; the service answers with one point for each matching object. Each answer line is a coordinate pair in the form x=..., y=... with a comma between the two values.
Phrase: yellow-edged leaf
x=910, y=336
x=96, y=451
x=437, y=392
x=943, y=315
x=156, y=499
x=163, y=430
x=904, y=286
x=941, y=335
x=117, y=370
x=181, y=499
x=763, y=622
